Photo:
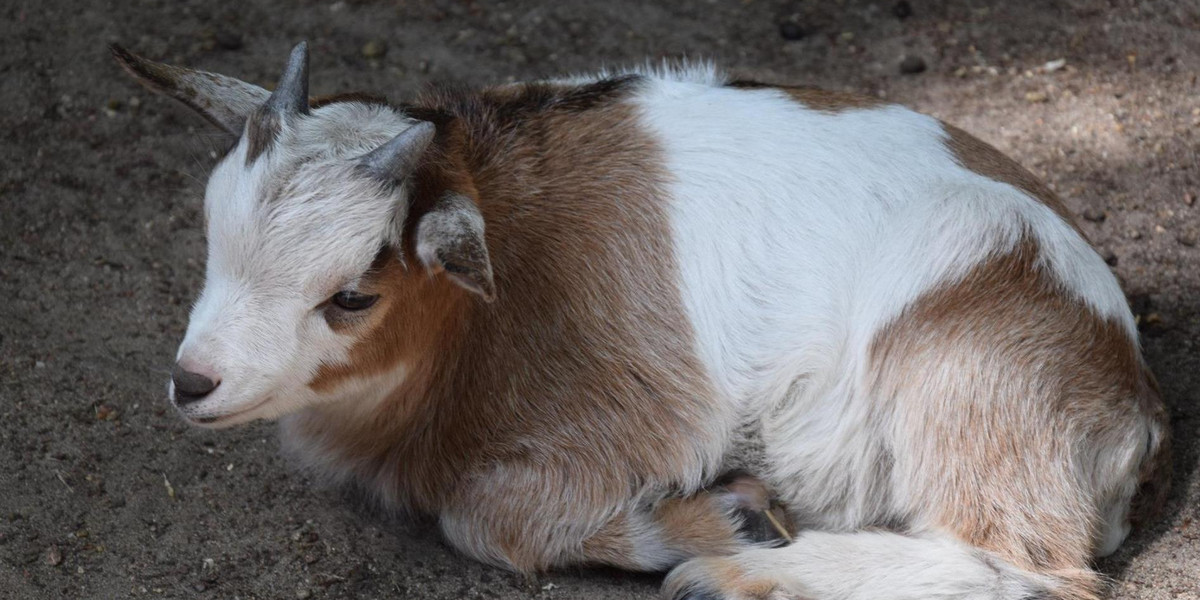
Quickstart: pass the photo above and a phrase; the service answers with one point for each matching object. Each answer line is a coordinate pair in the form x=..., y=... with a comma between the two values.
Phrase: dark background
x=104, y=493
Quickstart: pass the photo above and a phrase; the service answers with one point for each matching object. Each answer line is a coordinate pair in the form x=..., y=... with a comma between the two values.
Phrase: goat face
x=301, y=215
x=291, y=238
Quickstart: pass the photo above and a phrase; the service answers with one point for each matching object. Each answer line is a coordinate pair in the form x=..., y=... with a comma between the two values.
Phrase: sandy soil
x=104, y=493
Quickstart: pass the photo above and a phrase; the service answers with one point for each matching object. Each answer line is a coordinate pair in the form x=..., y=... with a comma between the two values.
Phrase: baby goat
x=553, y=313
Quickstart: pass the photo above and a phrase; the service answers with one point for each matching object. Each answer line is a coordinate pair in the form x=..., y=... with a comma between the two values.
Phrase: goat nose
x=191, y=386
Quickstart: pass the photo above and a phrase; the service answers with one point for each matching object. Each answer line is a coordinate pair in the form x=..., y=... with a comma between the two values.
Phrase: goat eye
x=349, y=300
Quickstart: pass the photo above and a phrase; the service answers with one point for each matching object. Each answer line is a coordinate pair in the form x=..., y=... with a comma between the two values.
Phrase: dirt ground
x=104, y=493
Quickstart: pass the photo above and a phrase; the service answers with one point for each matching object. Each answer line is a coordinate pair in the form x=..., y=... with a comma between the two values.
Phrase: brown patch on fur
x=699, y=525
x=1008, y=389
x=412, y=311
x=262, y=129
x=552, y=407
x=719, y=577
x=817, y=98
x=979, y=156
x=615, y=544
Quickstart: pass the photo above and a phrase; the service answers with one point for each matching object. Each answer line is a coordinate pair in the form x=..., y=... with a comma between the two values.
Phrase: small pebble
x=1189, y=198
x=1187, y=238
x=911, y=65
x=902, y=9
x=1095, y=215
x=1054, y=65
x=791, y=31
x=303, y=593
x=54, y=556
x=374, y=49
x=1036, y=97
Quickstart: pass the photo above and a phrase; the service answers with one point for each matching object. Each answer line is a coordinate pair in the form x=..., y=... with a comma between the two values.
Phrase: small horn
x=291, y=95
x=399, y=157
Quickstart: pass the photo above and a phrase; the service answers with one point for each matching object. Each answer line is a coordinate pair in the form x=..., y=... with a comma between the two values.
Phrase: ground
x=105, y=493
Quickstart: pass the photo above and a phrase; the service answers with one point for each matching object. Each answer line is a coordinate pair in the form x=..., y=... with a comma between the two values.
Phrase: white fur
x=874, y=565
x=297, y=226
x=800, y=234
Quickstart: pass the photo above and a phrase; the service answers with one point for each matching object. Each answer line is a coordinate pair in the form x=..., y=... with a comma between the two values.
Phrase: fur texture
x=593, y=296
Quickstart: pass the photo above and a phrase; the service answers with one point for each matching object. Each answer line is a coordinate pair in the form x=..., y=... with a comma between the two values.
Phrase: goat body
x=587, y=299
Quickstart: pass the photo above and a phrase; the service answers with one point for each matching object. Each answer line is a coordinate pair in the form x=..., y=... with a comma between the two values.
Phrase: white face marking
x=298, y=225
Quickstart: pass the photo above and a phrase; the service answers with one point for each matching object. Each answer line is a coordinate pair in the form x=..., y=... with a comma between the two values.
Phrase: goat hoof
x=761, y=522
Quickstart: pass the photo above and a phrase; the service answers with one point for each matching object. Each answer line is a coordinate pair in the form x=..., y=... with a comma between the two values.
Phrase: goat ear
x=225, y=101
x=450, y=238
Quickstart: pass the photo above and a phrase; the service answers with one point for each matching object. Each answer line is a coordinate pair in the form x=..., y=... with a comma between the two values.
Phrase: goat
x=553, y=314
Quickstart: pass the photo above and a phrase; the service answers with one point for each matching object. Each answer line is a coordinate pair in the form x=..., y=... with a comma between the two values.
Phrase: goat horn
x=291, y=95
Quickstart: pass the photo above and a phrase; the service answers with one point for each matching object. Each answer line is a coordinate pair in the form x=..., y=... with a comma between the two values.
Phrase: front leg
x=515, y=518
x=718, y=521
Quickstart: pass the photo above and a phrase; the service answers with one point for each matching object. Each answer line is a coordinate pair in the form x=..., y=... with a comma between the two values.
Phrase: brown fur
x=721, y=577
x=980, y=157
x=699, y=524
x=831, y=101
x=261, y=132
x=817, y=98
x=524, y=422
x=994, y=377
